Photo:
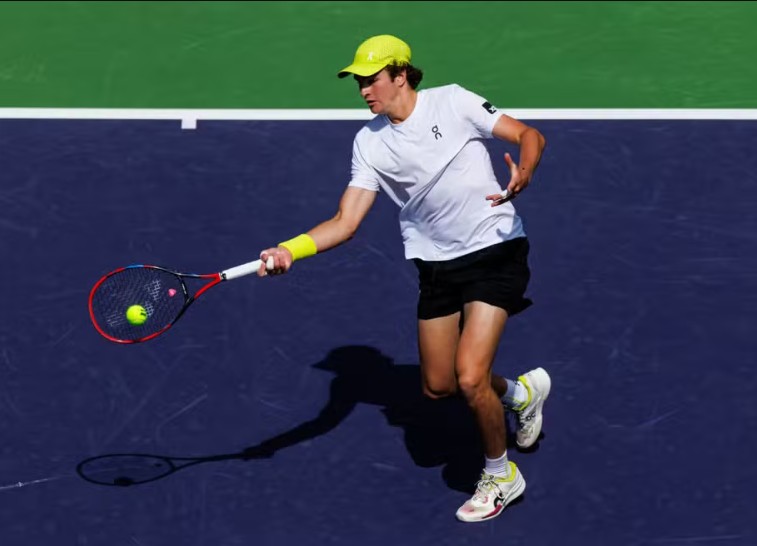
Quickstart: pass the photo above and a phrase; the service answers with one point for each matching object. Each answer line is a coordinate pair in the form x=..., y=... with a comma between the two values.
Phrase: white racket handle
x=245, y=269
x=505, y=196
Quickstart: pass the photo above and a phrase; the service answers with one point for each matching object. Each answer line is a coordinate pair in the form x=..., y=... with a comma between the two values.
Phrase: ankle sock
x=516, y=394
x=499, y=467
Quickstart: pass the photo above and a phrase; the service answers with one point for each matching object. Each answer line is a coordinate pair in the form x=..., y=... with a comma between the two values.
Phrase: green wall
x=286, y=54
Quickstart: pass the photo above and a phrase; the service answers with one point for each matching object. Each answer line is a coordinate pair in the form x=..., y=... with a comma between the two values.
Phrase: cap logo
x=370, y=56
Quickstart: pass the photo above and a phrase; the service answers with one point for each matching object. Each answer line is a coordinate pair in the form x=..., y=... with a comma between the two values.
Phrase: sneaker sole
x=514, y=493
x=540, y=380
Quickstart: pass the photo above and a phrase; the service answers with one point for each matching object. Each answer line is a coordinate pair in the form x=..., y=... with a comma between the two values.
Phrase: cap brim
x=362, y=69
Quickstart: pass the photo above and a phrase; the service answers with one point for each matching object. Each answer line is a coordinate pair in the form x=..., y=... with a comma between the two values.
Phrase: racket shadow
x=436, y=432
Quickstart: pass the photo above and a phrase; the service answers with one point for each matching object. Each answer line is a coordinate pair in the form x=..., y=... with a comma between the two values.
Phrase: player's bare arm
x=531, y=143
x=353, y=206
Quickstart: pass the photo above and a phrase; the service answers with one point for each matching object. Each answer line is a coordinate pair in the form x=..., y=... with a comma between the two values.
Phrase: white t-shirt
x=435, y=166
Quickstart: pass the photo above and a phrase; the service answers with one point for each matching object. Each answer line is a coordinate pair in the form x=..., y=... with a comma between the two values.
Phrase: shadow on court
x=437, y=432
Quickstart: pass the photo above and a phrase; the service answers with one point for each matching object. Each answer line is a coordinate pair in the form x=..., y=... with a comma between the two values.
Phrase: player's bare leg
x=499, y=384
x=477, y=347
x=501, y=482
x=437, y=343
x=438, y=339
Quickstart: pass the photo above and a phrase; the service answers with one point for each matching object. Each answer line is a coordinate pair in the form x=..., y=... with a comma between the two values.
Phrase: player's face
x=379, y=91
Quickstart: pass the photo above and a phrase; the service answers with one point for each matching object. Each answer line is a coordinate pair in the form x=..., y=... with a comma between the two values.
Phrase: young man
x=425, y=150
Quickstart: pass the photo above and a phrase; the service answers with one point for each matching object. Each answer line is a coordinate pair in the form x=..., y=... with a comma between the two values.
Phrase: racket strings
x=159, y=292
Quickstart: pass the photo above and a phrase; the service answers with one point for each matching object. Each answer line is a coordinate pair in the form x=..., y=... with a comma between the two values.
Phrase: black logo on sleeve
x=489, y=108
x=437, y=134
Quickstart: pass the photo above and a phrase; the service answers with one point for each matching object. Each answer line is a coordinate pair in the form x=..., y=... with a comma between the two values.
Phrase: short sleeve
x=363, y=175
x=479, y=112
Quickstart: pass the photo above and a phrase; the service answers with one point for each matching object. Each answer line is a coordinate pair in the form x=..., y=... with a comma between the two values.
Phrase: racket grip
x=241, y=270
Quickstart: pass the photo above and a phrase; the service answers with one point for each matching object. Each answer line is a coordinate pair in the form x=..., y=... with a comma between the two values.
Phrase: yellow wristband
x=301, y=246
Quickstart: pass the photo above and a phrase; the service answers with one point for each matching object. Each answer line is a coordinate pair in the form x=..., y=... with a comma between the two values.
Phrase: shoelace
x=483, y=487
x=525, y=418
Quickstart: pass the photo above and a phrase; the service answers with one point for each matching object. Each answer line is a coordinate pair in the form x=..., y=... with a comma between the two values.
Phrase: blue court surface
x=300, y=394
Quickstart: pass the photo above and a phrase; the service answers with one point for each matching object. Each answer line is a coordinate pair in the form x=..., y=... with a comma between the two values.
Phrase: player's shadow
x=437, y=432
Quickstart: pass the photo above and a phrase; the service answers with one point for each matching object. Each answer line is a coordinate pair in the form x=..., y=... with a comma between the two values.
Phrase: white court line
x=190, y=117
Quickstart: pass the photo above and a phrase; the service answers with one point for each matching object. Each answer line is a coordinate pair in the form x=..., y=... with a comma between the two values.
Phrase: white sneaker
x=538, y=384
x=492, y=495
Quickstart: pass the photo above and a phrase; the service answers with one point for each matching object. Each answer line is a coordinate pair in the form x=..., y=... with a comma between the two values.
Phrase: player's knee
x=437, y=392
x=473, y=385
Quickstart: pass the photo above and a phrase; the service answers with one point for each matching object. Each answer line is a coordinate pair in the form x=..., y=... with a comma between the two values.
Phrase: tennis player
x=425, y=149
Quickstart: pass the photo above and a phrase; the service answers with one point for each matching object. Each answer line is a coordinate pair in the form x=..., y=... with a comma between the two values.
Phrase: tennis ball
x=136, y=315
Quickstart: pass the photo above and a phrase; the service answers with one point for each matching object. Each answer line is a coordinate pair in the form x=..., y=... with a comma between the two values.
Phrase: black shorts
x=497, y=275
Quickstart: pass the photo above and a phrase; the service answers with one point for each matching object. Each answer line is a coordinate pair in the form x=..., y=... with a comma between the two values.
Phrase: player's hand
x=276, y=261
x=519, y=180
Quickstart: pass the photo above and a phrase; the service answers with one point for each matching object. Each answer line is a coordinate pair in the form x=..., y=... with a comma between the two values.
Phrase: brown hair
x=414, y=75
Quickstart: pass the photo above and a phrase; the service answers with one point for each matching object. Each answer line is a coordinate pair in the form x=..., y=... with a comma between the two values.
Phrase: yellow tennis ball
x=136, y=315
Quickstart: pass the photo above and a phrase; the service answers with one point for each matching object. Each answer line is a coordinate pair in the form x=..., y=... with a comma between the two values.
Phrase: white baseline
x=190, y=117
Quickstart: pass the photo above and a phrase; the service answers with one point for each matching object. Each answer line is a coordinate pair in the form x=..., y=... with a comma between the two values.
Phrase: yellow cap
x=376, y=53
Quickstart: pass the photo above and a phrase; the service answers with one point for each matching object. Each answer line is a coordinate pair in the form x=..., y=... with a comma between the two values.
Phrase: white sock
x=499, y=467
x=516, y=394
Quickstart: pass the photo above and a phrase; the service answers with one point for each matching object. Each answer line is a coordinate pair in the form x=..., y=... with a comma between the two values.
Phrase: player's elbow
x=346, y=227
x=541, y=139
x=535, y=134
x=349, y=230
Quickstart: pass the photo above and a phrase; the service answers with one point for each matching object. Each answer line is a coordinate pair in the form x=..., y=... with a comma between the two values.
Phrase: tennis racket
x=159, y=296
